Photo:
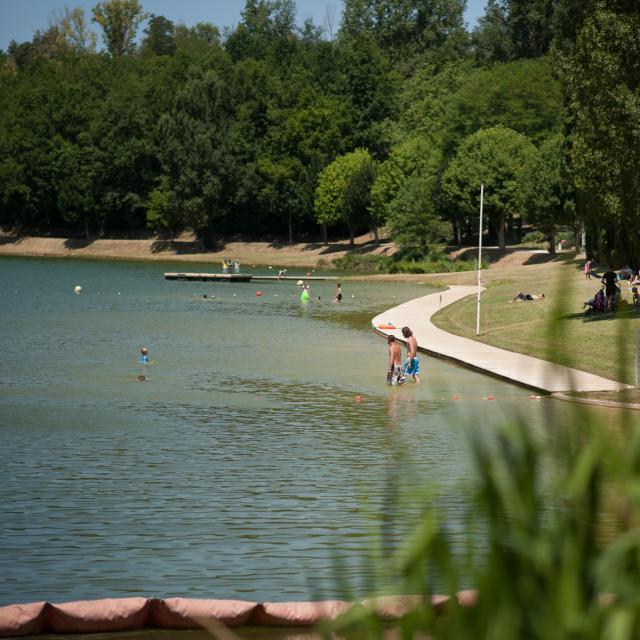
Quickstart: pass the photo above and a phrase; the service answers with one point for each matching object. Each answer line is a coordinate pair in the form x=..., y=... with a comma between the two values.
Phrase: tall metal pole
x=637, y=347
x=479, y=259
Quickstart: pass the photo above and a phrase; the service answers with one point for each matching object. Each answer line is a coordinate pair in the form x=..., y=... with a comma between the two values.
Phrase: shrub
x=533, y=237
x=402, y=263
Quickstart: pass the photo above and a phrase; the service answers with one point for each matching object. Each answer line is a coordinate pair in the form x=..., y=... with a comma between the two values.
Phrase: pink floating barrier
x=129, y=614
x=22, y=619
x=89, y=616
x=192, y=613
x=292, y=614
x=468, y=598
x=392, y=607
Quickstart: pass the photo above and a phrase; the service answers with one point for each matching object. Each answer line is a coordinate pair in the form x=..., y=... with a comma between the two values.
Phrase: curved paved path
x=516, y=367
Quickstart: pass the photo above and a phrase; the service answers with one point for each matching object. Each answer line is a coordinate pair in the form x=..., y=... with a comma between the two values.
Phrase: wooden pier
x=239, y=277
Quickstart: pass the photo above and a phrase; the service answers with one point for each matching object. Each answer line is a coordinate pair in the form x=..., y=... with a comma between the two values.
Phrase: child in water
x=144, y=355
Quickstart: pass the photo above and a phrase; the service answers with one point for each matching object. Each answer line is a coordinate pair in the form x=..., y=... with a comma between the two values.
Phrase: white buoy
x=299, y=283
x=77, y=289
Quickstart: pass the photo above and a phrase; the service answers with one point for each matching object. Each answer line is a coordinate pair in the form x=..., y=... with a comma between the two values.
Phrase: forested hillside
x=393, y=116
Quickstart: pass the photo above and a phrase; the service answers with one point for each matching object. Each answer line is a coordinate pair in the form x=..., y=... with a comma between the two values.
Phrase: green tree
x=159, y=37
x=300, y=143
x=414, y=221
x=546, y=194
x=490, y=38
x=193, y=151
x=404, y=28
x=343, y=194
x=494, y=157
x=530, y=26
x=73, y=27
x=77, y=172
x=266, y=29
x=409, y=172
x=601, y=74
x=163, y=215
x=522, y=95
x=425, y=100
x=119, y=20
x=364, y=82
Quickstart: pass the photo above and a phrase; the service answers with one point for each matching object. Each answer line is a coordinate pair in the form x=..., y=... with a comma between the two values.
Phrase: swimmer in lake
x=395, y=371
x=144, y=355
x=412, y=365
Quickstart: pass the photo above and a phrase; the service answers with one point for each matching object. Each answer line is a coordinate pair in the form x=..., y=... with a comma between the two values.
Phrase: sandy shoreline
x=186, y=249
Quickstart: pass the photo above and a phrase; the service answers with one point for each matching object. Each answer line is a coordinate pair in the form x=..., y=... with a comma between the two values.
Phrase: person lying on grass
x=523, y=297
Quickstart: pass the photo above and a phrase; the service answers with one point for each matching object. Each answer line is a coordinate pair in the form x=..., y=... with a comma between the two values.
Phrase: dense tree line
x=272, y=128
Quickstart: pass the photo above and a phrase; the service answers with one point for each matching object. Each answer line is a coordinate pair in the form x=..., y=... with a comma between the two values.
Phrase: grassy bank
x=555, y=328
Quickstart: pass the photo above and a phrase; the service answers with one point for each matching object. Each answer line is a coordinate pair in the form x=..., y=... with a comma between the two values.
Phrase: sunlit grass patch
x=587, y=342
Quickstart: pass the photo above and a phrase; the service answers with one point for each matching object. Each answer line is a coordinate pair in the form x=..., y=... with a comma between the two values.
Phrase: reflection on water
x=263, y=456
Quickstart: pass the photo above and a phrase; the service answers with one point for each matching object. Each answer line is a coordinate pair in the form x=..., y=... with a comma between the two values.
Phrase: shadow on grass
x=78, y=243
x=625, y=312
x=180, y=247
x=337, y=247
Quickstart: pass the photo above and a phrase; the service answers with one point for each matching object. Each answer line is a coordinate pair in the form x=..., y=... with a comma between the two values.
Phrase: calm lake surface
x=243, y=467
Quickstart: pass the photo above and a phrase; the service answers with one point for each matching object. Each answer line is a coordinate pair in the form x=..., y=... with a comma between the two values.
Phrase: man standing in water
x=395, y=374
x=412, y=365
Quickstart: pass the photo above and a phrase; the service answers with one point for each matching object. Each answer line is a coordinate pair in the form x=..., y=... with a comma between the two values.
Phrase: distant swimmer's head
x=141, y=378
x=391, y=339
x=144, y=351
x=406, y=332
x=204, y=296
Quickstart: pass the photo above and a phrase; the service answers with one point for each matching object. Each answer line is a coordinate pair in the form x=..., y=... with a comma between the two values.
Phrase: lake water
x=244, y=466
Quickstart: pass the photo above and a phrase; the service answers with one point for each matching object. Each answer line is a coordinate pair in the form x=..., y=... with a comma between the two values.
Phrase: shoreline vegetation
x=586, y=343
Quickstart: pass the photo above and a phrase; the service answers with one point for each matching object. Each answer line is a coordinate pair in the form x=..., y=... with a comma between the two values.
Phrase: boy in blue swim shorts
x=412, y=365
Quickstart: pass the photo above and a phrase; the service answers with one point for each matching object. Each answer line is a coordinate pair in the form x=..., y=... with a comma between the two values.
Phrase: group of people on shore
x=611, y=283
x=397, y=371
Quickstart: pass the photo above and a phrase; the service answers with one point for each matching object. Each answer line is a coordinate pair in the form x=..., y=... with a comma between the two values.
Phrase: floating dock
x=238, y=277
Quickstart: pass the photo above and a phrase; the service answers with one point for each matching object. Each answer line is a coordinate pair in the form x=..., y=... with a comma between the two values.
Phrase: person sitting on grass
x=523, y=297
x=635, y=299
x=625, y=273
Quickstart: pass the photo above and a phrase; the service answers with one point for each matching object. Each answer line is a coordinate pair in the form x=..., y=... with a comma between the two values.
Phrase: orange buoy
x=456, y=397
x=358, y=398
x=386, y=326
x=490, y=398
x=258, y=293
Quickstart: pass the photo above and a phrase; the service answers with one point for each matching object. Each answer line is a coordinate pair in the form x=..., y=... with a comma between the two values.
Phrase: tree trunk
x=376, y=237
x=86, y=228
x=501, y=243
x=325, y=240
x=552, y=242
x=458, y=231
x=351, y=242
x=290, y=228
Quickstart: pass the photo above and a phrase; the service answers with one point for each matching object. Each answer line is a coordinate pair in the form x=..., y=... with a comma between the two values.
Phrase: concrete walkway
x=515, y=367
